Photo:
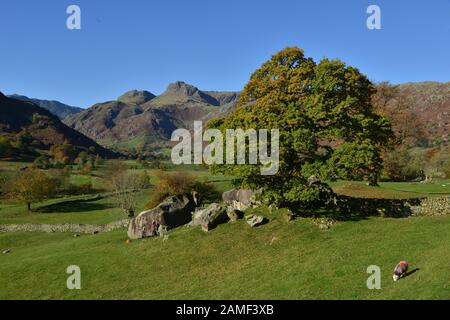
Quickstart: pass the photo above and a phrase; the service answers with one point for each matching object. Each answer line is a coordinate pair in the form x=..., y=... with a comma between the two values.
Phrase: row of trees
x=424, y=164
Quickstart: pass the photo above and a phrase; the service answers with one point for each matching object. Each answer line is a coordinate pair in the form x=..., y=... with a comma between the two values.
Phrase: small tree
x=124, y=184
x=30, y=186
x=42, y=162
x=63, y=153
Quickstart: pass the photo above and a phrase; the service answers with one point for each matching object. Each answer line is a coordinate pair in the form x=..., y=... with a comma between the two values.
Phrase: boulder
x=162, y=230
x=241, y=199
x=313, y=180
x=212, y=216
x=288, y=216
x=173, y=212
x=326, y=192
x=255, y=221
x=234, y=215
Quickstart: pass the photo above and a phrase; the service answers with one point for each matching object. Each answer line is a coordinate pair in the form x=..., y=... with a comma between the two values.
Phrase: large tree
x=326, y=122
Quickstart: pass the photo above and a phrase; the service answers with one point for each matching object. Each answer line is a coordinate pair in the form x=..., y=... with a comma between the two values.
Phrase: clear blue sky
x=213, y=44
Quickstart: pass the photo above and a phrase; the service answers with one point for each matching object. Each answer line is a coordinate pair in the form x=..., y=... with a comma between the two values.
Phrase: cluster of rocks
x=182, y=210
x=432, y=207
x=324, y=223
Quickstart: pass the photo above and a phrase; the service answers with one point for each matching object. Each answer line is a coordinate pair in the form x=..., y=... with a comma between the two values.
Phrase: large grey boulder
x=240, y=199
x=171, y=213
x=212, y=216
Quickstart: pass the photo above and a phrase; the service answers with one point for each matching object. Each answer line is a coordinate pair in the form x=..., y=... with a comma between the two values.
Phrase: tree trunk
x=29, y=206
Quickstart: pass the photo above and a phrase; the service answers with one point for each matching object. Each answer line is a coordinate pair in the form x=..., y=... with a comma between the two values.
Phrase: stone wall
x=435, y=206
x=432, y=207
x=67, y=227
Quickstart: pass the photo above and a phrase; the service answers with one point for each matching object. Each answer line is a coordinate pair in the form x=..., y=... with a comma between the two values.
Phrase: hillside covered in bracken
x=420, y=112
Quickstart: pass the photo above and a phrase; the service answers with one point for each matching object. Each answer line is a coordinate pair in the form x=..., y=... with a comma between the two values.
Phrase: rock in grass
x=234, y=215
x=288, y=216
x=212, y=216
x=255, y=221
x=173, y=212
x=241, y=199
x=206, y=227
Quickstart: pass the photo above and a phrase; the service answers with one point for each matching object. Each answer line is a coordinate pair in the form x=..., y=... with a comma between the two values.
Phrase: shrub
x=175, y=184
x=42, y=162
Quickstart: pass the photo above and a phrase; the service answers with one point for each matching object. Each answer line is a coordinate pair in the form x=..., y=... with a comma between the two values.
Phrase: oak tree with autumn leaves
x=326, y=121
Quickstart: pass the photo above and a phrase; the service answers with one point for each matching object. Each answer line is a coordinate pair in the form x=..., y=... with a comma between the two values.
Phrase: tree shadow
x=74, y=206
x=354, y=209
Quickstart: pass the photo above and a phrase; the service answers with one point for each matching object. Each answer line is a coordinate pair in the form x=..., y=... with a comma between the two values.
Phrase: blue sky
x=213, y=44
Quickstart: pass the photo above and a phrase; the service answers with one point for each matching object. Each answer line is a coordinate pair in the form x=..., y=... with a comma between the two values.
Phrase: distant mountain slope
x=57, y=108
x=26, y=123
x=140, y=116
x=419, y=111
x=430, y=102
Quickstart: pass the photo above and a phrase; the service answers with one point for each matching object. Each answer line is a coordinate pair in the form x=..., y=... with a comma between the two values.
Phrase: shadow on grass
x=80, y=205
x=355, y=209
x=410, y=273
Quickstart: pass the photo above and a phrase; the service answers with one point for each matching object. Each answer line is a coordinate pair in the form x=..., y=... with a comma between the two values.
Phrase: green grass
x=276, y=261
x=76, y=209
x=392, y=190
x=279, y=260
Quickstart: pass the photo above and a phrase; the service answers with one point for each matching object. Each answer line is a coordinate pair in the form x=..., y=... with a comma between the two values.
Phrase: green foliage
x=403, y=165
x=355, y=161
x=30, y=186
x=63, y=153
x=42, y=162
x=179, y=183
x=417, y=163
x=326, y=122
x=6, y=149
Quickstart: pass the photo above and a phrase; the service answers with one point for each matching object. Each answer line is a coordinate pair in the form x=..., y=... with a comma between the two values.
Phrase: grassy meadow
x=279, y=260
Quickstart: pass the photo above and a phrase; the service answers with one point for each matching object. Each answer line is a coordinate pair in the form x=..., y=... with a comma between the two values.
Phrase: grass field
x=276, y=261
x=279, y=260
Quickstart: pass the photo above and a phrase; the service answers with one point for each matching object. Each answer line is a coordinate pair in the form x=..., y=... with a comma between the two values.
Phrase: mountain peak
x=2, y=96
x=136, y=97
x=181, y=87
